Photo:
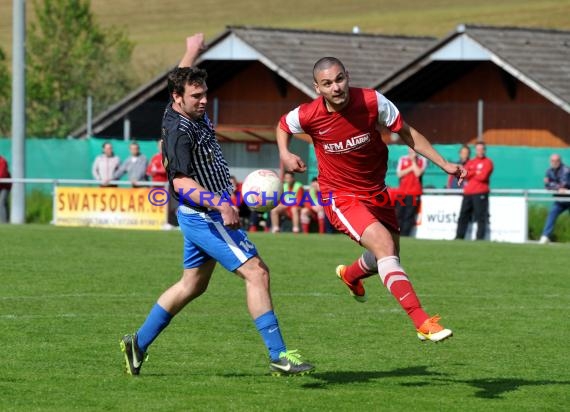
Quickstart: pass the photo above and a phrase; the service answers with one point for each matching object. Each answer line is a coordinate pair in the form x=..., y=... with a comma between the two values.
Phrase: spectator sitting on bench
x=291, y=203
x=313, y=208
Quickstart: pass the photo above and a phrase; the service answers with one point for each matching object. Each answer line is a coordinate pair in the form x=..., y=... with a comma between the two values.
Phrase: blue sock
x=268, y=328
x=156, y=321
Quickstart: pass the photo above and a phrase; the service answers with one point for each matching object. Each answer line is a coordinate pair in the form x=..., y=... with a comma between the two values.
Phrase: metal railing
x=527, y=193
x=530, y=195
x=88, y=182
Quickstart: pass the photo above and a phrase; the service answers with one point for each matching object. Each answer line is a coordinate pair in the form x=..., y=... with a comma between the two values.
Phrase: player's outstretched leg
x=397, y=282
x=281, y=361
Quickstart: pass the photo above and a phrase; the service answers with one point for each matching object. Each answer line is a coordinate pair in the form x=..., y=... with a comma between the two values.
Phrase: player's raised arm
x=194, y=46
x=421, y=145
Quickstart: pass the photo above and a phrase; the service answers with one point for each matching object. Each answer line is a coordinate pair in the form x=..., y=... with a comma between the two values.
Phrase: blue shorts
x=206, y=237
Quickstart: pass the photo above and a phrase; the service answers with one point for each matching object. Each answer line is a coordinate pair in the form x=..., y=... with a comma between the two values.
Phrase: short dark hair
x=181, y=76
x=324, y=63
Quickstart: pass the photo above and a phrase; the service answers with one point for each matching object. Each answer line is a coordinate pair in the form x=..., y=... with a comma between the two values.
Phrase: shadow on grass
x=495, y=388
x=346, y=377
x=490, y=388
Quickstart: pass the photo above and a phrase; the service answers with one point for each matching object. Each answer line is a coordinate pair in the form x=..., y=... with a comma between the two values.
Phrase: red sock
x=357, y=270
x=401, y=288
x=305, y=227
x=322, y=225
x=253, y=228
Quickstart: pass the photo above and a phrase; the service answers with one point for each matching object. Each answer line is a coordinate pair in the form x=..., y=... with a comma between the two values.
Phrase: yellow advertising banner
x=125, y=208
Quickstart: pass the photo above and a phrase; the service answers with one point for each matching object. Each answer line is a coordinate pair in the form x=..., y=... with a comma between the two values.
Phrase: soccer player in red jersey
x=344, y=124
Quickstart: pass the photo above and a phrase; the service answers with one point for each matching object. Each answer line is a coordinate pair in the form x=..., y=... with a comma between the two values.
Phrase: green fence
x=68, y=159
x=515, y=166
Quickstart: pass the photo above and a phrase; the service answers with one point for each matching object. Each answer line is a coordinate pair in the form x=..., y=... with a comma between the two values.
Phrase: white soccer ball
x=261, y=190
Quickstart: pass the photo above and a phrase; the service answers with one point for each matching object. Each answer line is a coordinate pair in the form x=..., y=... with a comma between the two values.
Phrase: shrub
x=39, y=206
x=536, y=219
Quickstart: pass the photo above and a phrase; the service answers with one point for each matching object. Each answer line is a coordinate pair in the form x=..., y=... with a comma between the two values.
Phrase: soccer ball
x=261, y=190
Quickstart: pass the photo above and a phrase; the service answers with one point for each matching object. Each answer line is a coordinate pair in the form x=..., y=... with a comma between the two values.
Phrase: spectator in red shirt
x=157, y=173
x=155, y=169
x=4, y=190
x=410, y=171
x=476, y=194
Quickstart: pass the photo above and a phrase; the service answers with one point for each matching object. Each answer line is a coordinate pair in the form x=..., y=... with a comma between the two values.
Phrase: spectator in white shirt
x=105, y=165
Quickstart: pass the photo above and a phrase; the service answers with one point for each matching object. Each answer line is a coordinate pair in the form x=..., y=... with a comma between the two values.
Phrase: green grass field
x=158, y=28
x=67, y=296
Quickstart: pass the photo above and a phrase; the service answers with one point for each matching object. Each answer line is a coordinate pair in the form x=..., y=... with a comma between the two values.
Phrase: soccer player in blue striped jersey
x=200, y=181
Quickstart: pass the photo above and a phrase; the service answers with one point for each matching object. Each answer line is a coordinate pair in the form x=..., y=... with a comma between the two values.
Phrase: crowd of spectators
x=108, y=167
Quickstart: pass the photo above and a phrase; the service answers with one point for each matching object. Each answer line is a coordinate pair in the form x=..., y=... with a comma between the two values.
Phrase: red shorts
x=352, y=216
x=289, y=212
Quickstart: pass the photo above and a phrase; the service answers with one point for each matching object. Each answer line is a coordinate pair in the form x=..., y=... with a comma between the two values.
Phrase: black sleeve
x=177, y=154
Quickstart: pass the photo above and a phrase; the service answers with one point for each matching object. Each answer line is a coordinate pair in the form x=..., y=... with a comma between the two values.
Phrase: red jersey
x=351, y=155
x=235, y=197
x=155, y=169
x=411, y=184
x=4, y=174
x=479, y=172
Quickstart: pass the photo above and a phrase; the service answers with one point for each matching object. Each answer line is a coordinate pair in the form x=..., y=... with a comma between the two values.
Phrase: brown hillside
x=158, y=27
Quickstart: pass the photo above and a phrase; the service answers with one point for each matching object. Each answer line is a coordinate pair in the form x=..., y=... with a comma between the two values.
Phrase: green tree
x=5, y=101
x=69, y=57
